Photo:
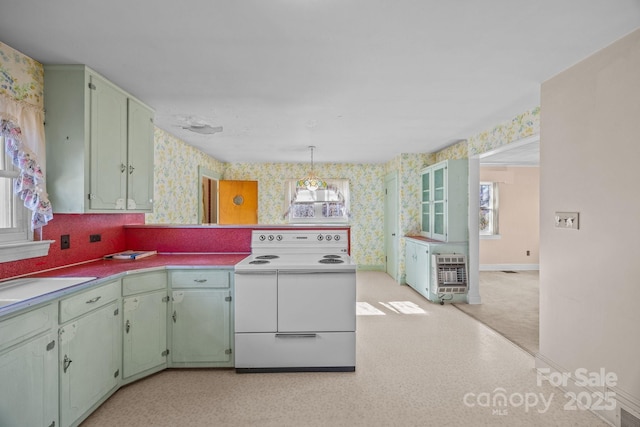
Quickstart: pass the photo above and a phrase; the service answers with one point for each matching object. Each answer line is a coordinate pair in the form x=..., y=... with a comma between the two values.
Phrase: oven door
x=256, y=304
x=316, y=301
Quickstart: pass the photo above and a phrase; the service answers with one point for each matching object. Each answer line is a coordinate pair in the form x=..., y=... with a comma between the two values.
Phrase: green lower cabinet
x=29, y=385
x=145, y=334
x=200, y=328
x=89, y=361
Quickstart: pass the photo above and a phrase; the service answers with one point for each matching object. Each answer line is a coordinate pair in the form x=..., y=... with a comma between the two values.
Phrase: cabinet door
x=200, y=329
x=108, y=145
x=423, y=261
x=145, y=333
x=410, y=262
x=29, y=392
x=140, y=161
x=439, y=203
x=89, y=361
x=426, y=203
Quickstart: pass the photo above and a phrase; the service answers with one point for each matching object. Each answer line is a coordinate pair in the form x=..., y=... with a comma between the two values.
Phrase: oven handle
x=258, y=272
x=318, y=271
x=296, y=335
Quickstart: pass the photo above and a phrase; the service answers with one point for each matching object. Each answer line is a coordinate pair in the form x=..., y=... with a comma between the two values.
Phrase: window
x=330, y=205
x=488, y=209
x=14, y=217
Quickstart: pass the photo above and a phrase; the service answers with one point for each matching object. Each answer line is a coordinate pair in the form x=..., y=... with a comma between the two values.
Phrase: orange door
x=238, y=202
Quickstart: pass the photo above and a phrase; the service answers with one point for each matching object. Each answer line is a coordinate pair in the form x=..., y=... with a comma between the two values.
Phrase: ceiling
x=362, y=80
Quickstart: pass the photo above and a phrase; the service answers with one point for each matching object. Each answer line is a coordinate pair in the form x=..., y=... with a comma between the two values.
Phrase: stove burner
x=267, y=257
x=331, y=256
x=259, y=261
x=331, y=261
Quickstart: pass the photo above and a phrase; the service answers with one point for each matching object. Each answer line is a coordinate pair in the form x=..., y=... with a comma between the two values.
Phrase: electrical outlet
x=65, y=241
x=569, y=220
x=95, y=238
x=528, y=253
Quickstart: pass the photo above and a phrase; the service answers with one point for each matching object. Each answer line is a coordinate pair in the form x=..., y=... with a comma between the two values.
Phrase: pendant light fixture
x=311, y=182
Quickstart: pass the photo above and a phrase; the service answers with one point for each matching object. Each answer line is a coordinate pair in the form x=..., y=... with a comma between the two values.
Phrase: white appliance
x=295, y=303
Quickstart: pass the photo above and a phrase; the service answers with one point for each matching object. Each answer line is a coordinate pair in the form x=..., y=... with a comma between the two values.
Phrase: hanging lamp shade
x=311, y=182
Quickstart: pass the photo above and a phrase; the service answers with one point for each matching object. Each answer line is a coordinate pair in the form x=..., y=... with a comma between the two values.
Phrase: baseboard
x=373, y=267
x=509, y=267
x=609, y=403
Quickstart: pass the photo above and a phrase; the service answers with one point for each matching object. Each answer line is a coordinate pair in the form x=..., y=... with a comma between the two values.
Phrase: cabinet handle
x=123, y=167
x=65, y=363
x=127, y=326
x=131, y=169
x=174, y=316
x=200, y=280
x=92, y=300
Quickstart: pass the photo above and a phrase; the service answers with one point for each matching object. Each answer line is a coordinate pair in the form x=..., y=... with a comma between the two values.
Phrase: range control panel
x=314, y=241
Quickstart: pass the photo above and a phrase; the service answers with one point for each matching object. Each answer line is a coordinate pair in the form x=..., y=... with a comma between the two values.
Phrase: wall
x=518, y=219
x=590, y=148
x=21, y=78
x=78, y=227
x=366, y=183
x=176, y=179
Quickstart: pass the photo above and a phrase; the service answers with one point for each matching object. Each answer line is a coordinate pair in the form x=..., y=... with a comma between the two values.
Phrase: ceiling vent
x=198, y=125
x=203, y=129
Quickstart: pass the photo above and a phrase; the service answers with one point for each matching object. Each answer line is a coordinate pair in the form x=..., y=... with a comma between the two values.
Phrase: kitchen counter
x=98, y=271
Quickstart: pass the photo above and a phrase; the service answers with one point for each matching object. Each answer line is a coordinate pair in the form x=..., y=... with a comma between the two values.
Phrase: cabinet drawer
x=144, y=282
x=200, y=278
x=24, y=326
x=86, y=301
x=314, y=350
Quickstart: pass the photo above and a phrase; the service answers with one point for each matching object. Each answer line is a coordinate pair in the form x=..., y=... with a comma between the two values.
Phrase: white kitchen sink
x=18, y=290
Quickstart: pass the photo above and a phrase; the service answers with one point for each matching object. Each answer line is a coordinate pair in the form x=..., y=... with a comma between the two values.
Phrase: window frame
x=17, y=242
x=20, y=229
x=299, y=200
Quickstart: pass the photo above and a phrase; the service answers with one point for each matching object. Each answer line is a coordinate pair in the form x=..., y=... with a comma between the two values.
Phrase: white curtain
x=23, y=130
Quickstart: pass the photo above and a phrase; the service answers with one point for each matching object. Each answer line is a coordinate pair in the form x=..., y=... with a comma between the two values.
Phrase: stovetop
x=296, y=262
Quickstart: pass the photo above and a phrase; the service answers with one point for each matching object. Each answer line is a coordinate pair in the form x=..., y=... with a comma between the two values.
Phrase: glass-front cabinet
x=444, y=202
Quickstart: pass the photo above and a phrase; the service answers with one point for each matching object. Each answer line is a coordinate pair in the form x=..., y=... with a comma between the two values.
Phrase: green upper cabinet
x=444, y=202
x=99, y=144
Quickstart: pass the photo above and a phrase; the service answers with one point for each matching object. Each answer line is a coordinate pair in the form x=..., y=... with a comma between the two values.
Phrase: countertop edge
x=124, y=268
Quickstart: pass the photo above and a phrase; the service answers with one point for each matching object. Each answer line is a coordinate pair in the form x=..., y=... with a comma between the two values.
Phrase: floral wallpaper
x=521, y=126
x=176, y=180
x=459, y=150
x=21, y=78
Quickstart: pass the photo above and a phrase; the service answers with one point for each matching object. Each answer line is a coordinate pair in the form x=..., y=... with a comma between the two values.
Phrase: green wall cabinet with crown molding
x=99, y=144
x=444, y=201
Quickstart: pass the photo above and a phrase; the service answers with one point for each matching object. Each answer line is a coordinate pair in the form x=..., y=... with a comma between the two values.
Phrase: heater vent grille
x=450, y=273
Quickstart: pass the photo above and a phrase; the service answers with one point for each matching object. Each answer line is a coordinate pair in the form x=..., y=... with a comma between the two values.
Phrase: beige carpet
x=510, y=306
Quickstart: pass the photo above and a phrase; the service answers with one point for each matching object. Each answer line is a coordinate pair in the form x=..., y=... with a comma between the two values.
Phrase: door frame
x=391, y=220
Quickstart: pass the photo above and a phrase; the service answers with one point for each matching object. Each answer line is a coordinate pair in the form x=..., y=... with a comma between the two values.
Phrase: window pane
x=486, y=219
x=485, y=195
x=7, y=207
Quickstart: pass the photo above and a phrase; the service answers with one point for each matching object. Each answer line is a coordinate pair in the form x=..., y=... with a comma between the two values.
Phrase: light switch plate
x=569, y=220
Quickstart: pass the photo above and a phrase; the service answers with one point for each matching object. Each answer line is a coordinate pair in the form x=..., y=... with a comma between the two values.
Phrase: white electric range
x=295, y=302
